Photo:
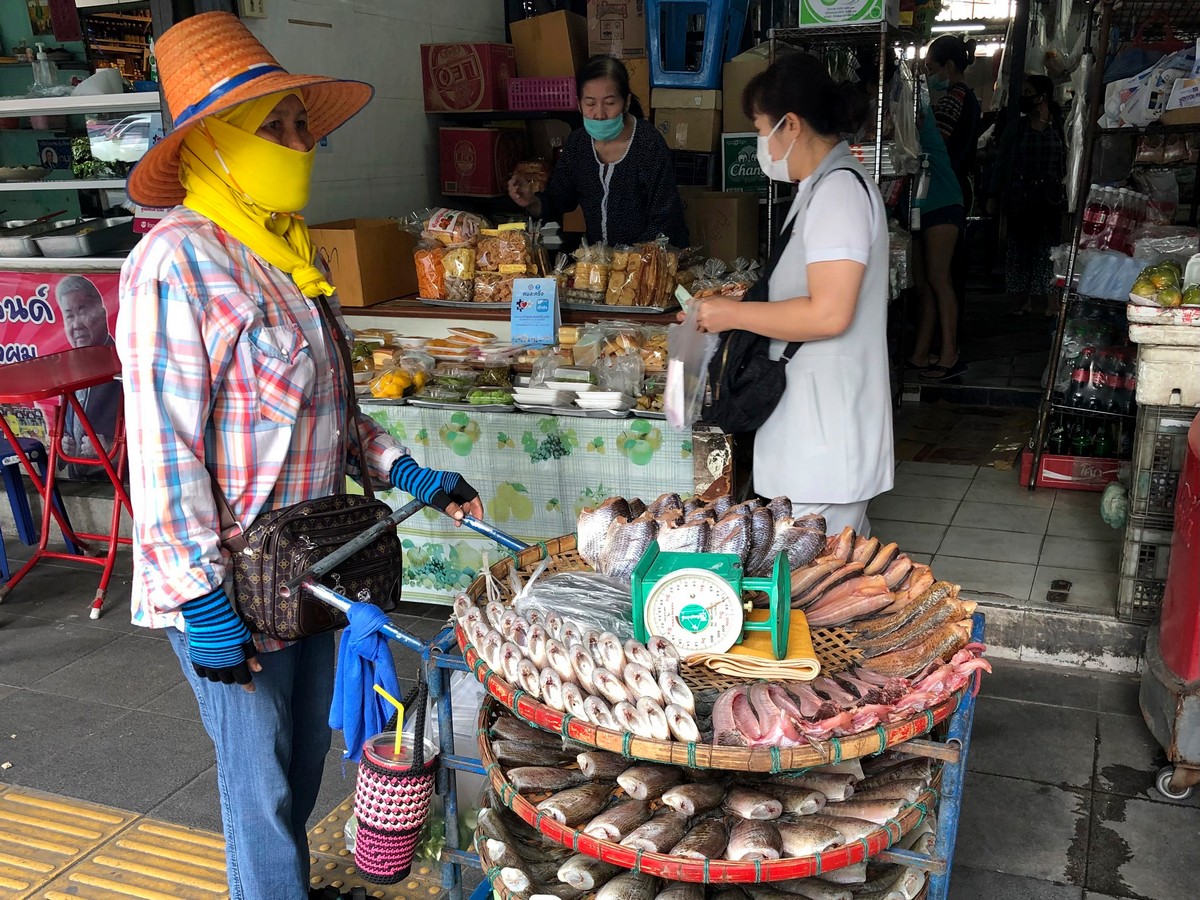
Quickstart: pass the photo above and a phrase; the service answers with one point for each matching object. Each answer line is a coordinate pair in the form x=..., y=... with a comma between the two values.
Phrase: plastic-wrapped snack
x=713, y=280
x=620, y=373
x=563, y=272
x=593, y=601
x=654, y=348
x=493, y=287
x=431, y=274
x=1175, y=150
x=507, y=245
x=1150, y=149
x=459, y=265
x=587, y=349
x=535, y=172
x=622, y=280
x=665, y=277
x=621, y=338
x=742, y=276
x=452, y=226
x=593, y=264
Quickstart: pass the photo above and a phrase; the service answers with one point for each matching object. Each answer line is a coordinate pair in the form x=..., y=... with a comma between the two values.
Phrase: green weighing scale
x=697, y=601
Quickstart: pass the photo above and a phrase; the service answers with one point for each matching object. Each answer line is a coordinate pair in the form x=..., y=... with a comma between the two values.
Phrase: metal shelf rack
x=1126, y=15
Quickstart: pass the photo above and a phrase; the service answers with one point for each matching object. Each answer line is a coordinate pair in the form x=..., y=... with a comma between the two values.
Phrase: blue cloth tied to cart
x=364, y=661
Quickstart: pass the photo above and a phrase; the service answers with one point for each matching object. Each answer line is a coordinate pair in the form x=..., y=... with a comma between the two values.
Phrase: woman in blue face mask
x=957, y=109
x=828, y=444
x=617, y=168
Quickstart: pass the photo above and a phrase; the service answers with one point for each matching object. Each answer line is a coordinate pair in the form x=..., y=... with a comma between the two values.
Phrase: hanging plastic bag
x=1162, y=187
x=690, y=351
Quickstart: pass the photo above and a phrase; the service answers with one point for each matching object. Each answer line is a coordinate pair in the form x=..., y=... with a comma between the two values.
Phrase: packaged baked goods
x=593, y=263
x=743, y=274
x=494, y=287
x=452, y=226
x=535, y=172
x=507, y=245
x=588, y=348
x=459, y=266
x=431, y=275
x=644, y=275
x=564, y=271
x=654, y=348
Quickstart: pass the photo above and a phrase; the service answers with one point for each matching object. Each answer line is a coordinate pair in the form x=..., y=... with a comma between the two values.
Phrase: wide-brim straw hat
x=210, y=63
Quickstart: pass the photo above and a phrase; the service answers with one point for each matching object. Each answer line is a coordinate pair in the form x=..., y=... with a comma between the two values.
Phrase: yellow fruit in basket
x=420, y=379
x=1144, y=287
x=1191, y=295
x=1174, y=267
x=1170, y=297
x=403, y=380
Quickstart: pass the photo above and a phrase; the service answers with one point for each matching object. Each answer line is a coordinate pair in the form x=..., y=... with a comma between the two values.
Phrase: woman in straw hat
x=229, y=373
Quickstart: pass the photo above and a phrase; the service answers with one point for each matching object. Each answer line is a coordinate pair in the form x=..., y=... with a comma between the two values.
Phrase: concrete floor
x=1059, y=800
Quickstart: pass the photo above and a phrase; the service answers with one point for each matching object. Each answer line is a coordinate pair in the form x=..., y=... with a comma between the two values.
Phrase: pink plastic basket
x=541, y=94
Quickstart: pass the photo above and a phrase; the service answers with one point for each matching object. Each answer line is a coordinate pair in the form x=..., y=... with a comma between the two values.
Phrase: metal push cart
x=441, y=656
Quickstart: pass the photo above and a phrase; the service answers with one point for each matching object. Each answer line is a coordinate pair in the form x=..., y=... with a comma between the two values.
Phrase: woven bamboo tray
x=708, y=871
x=692, y=755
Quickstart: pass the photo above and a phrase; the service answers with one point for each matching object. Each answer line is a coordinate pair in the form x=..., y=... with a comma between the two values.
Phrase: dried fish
x=796, y=800
x=641, y=683
x=804, y=837
x=908, y=661
x=648, y=782
x=600, y=765
x=599, y=714
x=610, y=686
x=631, y=719
x=636, y=651
x=660, y=834
x=593, y=524
x=539, y=779
x=585, y=872
x=551, y=686
x=675, y=690
x=707, y=840
x=612, y=653
x=695, y=799
x=877, y=811
x=617, y=821
x=749, y=803
x=526, y=753
x=751, y=839
x=577, y=804
x=629, y=886
x=665, y=656
x=660, y=728
x=573, y=700
x=510, y=728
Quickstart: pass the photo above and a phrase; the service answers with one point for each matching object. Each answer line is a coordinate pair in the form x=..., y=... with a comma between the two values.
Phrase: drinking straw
x=399, y=716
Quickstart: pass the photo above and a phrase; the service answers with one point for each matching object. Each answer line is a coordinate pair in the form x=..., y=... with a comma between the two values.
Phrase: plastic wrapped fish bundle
x=593, y=600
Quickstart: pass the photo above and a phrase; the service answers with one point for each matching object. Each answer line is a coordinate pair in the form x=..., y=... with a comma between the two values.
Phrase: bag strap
x=419, y=696
x=343, y=346
x=786, y=235
x=230, y=530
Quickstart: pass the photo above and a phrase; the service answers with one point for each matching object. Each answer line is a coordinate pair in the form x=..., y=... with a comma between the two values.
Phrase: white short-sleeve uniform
x=829, y=441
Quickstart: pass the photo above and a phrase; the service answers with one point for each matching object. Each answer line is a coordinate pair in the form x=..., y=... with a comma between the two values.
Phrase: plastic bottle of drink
x=1103, y=374
x=1081, y=379
x=1121, y=238
x=1095, y=216
x=1129, y=389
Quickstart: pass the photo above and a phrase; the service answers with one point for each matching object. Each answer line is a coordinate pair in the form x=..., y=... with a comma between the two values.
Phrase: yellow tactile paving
x=42, y=835
x=55, y=848
x=148, y=861
x=332, y=865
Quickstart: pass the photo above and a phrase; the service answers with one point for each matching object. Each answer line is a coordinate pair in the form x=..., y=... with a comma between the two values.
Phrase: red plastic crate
x=542, y=94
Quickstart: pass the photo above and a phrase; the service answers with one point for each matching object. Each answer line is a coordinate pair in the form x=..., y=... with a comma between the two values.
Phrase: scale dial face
x=696, y=610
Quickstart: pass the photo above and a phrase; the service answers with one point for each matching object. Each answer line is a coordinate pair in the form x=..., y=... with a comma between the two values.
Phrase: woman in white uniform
x=828, y=444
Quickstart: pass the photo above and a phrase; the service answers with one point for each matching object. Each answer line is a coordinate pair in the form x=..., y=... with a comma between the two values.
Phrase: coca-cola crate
x=1145, y=558
x=1159, y=448
x=1072, y=473
x=542, y=95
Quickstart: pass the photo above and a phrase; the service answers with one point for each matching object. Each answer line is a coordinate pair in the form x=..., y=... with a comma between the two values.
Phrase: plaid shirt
x=225, y=363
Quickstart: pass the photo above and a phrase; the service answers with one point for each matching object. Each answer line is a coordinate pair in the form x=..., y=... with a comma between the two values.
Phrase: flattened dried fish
x=707, y=840
x=751, y=839
x=648, y=782
x=525, y=753
x=803, y=837
x=660, y=834
x=751, y=804
x=796, y=800
x=695, y=799
x=592, y=528
x=510, y=728
x=599, y=765
x=577, y=804
x=629, y=886
x=538, y=779
x=617, y=821
x=585, y=872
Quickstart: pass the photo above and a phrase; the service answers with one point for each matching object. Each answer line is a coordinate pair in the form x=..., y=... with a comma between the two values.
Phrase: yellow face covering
x=253, y=188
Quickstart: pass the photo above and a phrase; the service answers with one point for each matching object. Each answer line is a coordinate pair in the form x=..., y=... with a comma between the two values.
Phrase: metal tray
x=16, y=236
x=463, y=304
x=464, y=407
x=673, y=306
x=90, y=237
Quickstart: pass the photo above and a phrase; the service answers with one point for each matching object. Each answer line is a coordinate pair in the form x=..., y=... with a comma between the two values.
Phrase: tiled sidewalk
x=999, y=540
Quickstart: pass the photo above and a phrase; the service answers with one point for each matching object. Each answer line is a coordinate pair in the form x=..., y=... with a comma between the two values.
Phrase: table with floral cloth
x=534, y=473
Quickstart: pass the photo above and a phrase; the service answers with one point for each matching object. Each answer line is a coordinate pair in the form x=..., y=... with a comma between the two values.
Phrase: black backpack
x=744, y=383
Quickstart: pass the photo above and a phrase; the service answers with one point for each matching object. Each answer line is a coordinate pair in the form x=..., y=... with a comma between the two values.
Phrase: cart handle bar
x=327, y=564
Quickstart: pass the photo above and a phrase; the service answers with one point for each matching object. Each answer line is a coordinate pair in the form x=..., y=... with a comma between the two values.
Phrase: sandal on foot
x=944, y=373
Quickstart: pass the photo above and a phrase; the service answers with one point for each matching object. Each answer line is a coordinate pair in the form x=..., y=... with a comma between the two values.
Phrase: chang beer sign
x=739, y=164
x=823, y=13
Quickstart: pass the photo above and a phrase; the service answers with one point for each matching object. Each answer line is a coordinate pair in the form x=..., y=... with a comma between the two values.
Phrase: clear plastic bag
x=690, y=351
x=459, y=266
x=1161, y=186
x=594, y=601
x=431, y=274
x=1157, y=243
x=620, y=373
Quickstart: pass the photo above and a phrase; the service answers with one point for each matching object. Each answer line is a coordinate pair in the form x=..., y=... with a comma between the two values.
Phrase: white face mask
x=775, y=169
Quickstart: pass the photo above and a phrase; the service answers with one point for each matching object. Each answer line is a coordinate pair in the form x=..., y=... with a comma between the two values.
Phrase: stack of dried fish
x=788, y=714
x=614, y=684
x=703, y=815
x=613, y=537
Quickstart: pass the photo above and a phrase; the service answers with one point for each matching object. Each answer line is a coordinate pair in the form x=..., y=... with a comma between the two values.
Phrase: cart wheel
x=1163, y=783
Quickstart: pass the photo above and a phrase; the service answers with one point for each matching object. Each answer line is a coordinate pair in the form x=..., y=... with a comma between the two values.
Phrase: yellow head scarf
x=253, y=188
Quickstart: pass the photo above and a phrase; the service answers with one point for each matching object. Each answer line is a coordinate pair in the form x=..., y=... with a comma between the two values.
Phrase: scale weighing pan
x=697, y=601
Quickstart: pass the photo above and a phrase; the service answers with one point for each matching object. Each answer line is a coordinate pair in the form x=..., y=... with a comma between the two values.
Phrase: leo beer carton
x=467, y=77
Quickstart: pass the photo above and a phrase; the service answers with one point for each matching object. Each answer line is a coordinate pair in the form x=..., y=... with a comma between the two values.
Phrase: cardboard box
x=369, y=260
x=740, y=170
x=688, y=119
x=824, y=13
x=724, y=224
x=639, y=80
x=477, y=162
x=551, y=46
x=735, y=75
x=466, y=77
x=617, y=28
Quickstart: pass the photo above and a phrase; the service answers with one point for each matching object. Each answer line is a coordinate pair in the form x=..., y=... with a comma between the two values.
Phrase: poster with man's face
x=44, y=314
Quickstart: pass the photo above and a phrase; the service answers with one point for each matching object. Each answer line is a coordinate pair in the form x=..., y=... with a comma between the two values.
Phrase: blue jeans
x=271, y=747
